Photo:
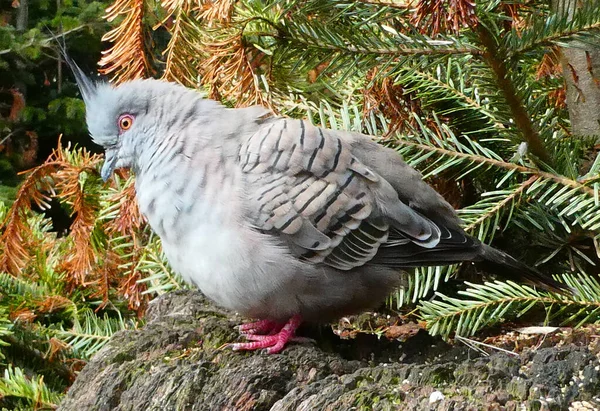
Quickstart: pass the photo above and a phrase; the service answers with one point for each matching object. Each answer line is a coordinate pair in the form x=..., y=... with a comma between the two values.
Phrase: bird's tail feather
x=503, y=264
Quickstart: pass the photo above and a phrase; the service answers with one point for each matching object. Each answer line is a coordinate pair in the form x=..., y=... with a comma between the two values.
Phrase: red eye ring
x=125, y=122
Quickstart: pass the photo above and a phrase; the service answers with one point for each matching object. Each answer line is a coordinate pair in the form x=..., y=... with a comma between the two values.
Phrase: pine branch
x=49, y=42
x=185, y=46
x=508, y=198
x=314, y=34
x=91, y=333
x=128, y=234
x=155, y=271
x=33, y=391
x=491, y=303
x=5, y=330
x=440, y=16
x=77, y=175
x=555, y=29
x=221, y=11
x=420, y=284
x=126, y=59
x=522, y=119
x=23, y=348
x=122, y=214
x=499, y=163
x=235, y=67
x=16, y=232
x=449, y=90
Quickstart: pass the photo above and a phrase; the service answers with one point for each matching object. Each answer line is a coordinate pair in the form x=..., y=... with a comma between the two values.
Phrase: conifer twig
x=522, y=119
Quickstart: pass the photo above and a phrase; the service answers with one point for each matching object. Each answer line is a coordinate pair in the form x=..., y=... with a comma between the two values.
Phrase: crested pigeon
x=273, y=217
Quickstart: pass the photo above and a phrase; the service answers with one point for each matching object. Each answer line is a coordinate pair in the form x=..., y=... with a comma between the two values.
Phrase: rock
x=435, y=397
x=177, y=362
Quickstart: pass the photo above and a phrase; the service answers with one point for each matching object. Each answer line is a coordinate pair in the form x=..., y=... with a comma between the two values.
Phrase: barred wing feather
x=305, y=185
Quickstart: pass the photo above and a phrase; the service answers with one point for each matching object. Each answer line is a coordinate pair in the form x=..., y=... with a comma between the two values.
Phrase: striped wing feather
x=305, y=185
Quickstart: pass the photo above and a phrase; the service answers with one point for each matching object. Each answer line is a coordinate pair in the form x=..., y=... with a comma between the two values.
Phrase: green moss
x=123, y=356
x=518, y=388
x=465, y=392
x=363, y=381
x=364, y=398
x=213, y=338
x=534, y=405
x=438, y=375
x=133, y=375
x=368, y=398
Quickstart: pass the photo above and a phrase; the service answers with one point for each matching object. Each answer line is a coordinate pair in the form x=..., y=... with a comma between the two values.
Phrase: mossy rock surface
x=177, y=362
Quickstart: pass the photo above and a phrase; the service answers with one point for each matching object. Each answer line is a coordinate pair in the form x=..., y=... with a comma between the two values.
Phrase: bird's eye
x=125, y=122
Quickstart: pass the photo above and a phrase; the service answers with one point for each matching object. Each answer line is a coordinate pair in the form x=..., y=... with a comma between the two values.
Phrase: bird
x=275, y=218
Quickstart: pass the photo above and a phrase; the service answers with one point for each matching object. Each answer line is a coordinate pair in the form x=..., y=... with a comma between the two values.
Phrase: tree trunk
x=178, y=362
x=581, y=69
x=22, y=15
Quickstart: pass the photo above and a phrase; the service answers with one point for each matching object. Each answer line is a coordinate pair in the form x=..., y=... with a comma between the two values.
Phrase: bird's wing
x=306, y=185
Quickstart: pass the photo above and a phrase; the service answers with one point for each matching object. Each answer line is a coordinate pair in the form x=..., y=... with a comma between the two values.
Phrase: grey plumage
x=274, y=217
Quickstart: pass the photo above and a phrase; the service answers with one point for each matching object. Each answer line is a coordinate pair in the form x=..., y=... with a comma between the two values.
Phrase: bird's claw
x=279, y=335
x=260, y=327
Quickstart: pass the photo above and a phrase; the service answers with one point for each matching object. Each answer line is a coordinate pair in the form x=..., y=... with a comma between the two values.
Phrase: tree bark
x=178, y=362
x=22, y=15
x=21, y=26
x=581, y=69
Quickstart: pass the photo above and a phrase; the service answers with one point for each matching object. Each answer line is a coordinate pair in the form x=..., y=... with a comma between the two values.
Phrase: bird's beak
x=110, y=162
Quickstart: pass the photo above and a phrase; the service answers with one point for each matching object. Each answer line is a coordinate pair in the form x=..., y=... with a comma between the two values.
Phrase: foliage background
x=472, y=93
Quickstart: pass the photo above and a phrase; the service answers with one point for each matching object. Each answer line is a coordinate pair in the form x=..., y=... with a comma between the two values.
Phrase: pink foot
x=273, y=343
x=264, y=327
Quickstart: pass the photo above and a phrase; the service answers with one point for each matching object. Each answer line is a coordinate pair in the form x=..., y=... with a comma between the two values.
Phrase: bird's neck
x=191, y=175
x=188, y=190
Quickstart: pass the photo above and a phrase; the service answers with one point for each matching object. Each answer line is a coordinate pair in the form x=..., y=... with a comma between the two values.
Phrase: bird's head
x=127, y=118
x=115, y=118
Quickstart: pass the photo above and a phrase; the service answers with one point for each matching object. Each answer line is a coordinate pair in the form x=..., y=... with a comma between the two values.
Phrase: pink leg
x=260, y=327
x=273, y=343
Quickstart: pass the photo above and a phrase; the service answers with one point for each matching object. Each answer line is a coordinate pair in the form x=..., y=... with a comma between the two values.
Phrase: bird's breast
x=197, y=194
x=207, y=241
x=233, y=265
